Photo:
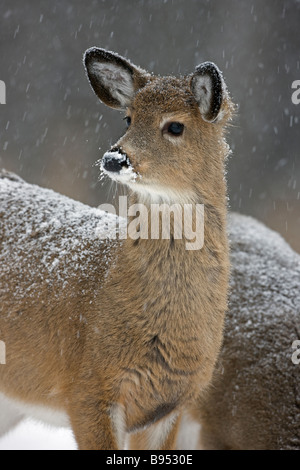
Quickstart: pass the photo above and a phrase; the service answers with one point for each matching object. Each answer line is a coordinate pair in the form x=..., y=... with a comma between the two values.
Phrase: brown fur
x=253, y=401
x=153, y=318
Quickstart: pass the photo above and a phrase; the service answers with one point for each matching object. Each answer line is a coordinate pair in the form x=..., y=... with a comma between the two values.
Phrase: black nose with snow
x=114, y=160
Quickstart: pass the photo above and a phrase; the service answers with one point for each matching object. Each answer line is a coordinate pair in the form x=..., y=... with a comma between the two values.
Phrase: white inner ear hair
x=203, y=91
x=117, y=80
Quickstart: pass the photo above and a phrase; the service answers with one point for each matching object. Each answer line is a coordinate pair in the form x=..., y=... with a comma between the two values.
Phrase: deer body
x=253, y=401
x=119, y=335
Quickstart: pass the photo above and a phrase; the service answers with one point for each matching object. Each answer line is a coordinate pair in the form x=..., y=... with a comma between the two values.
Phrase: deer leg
x=159, y=436
x=93, y=428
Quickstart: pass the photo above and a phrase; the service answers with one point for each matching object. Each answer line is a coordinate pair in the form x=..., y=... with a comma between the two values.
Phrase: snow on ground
x=31, y=435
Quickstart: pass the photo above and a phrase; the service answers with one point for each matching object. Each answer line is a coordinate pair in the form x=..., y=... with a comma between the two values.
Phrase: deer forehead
x=165, y=95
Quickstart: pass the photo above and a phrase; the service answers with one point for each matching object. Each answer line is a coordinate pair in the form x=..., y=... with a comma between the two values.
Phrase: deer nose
x=114, y=160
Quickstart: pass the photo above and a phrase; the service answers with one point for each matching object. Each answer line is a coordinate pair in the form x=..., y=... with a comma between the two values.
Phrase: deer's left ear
x=209, y=90
x=113, y=78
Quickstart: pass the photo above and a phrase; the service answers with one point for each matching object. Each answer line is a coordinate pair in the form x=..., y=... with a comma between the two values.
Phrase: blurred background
x=53, y=129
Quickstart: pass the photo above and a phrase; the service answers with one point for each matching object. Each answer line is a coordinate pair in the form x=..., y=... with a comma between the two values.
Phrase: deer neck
x=178, y=263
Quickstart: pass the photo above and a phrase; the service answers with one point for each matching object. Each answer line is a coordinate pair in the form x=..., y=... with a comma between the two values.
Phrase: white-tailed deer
x=253, y=401
x=117, y=337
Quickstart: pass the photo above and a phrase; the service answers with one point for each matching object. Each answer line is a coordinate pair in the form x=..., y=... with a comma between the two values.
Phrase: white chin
x=156, y=193
x=125, y=176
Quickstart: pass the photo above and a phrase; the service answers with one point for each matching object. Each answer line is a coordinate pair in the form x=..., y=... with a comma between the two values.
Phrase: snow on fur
x=254, y=399
x=71, y=237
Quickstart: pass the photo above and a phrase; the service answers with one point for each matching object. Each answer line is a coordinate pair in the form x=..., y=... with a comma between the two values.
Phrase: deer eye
x=127, y=119
x=173, y=128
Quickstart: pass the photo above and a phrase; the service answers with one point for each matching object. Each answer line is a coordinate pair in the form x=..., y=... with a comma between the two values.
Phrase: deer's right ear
x=114, y=79
x=210, y=91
